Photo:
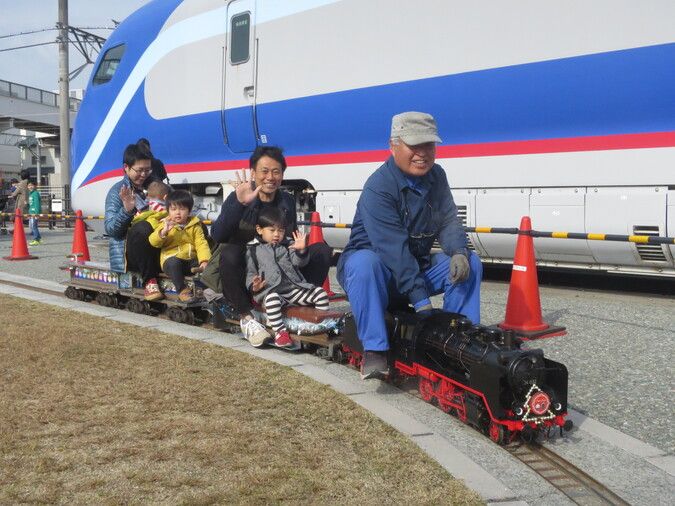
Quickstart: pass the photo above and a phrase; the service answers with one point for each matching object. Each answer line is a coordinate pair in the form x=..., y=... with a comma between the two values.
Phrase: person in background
x=158, y=169
x=181, y=240
x=20, y=192
x=34, y=207
x=272, y=274
x=129, y=248
x=405, y=206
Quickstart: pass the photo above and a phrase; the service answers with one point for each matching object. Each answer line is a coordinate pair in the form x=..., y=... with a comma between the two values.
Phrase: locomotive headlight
x=557, y=406
x=539, y=403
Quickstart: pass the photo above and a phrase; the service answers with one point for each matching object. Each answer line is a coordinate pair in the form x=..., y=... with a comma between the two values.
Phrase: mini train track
x=578, y=486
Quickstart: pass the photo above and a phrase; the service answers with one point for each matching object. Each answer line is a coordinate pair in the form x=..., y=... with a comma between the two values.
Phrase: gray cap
x=414, y=128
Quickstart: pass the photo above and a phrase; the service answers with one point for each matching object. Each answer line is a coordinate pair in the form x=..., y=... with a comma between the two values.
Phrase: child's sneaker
x=254, y=332
x=185, y=295
x=152, y=291
x=283, y=340
x=34, y=242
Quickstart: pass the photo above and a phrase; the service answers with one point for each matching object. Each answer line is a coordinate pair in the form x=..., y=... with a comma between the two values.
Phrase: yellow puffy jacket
x=186, y=242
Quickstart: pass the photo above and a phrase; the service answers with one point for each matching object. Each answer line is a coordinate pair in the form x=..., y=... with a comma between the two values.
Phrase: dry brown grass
x=93, y=411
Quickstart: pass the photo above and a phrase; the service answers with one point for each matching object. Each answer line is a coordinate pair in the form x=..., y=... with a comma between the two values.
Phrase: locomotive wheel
x=445, y=406
x=135, y=306
x=73, y=293
x=426, y=388
x=498, y=433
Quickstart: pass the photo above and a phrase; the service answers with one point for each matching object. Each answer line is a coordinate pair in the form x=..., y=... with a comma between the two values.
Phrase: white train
x=563, y=111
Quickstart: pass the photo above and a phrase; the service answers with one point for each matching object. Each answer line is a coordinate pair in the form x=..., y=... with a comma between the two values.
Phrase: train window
x=240, y=29
x=109, y=63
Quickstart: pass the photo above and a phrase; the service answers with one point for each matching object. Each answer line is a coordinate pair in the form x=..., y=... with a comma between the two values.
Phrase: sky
x=39, y=66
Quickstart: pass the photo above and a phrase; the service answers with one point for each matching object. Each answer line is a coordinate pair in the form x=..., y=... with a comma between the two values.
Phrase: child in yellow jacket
x=181, y=239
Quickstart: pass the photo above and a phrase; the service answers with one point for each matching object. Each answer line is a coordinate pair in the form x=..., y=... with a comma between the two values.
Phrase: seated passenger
x=405, y=206
x=272, y=274
x=181, y=240
x=235, y=226
x=157, y=192
x=128, y=244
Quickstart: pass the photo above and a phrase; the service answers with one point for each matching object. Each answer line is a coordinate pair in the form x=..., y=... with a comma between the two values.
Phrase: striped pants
x=274, y=302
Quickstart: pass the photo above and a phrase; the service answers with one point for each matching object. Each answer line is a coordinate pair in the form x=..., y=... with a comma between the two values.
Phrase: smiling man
x=405, y=206
x=235, y=226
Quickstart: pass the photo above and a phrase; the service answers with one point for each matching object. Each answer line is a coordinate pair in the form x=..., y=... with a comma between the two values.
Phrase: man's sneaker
x=283, y=340
x=152, y=291
x=185, y=295
x=34, y=242
x=374, y=364
x=254, y=332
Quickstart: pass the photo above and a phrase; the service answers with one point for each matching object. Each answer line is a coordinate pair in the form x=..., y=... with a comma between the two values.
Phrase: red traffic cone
x=19, y=245
x=316, y=236
x=523, y=306
x=80, y=248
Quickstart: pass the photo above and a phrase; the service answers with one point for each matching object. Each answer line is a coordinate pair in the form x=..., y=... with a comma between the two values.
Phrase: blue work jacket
x=399, y=218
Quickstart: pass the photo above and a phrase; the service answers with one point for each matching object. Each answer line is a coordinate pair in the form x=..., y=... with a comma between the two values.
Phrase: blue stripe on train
x=618, y=92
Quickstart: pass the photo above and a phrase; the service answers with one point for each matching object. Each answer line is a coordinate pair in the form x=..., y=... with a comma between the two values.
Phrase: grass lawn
x=94, y=411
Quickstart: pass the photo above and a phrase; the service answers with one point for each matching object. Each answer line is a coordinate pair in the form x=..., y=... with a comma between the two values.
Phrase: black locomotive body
x=481, y=374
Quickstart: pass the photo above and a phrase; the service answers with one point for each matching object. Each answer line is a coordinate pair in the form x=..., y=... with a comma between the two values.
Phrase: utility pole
x=64, y=92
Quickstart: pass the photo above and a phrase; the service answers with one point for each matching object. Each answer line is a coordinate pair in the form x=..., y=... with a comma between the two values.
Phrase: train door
x=239, y=95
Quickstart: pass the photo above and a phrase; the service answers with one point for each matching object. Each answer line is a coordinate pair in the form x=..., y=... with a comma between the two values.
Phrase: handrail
x=35, y=95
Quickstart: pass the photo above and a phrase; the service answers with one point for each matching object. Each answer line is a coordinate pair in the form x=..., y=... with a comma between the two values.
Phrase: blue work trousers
x=369, y=286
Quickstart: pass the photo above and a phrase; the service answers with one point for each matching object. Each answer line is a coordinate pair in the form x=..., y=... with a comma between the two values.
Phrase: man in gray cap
x=405, y=206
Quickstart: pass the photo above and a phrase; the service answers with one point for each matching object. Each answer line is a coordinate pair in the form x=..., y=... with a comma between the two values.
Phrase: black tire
x=135, y=306
x=72, y=293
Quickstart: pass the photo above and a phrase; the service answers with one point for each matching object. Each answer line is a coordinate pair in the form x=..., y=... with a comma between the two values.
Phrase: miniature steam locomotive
x=479, y=373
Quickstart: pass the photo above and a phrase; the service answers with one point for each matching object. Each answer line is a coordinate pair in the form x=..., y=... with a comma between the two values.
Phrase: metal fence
x=38, y=96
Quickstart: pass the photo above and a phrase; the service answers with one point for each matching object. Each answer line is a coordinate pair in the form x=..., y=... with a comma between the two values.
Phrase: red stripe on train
x=565, y=145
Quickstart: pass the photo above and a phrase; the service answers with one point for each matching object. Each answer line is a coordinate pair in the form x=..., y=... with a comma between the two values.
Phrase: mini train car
x=310, y=328
x=95, y=281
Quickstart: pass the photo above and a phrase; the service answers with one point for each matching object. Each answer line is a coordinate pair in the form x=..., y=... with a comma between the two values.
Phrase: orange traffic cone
x=523, y=306
x=80, y=248
x=316, y=236
x=19, y=245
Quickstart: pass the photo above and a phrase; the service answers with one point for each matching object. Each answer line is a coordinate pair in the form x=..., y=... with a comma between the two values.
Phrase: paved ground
x=619, y=351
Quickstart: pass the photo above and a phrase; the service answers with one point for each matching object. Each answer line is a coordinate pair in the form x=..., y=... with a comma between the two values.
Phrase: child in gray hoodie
x=272, y=274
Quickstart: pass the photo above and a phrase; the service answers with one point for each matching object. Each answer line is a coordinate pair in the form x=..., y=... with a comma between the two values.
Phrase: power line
x=73, y=42
x=29, y=45
x=53, y=29
x=26, y=33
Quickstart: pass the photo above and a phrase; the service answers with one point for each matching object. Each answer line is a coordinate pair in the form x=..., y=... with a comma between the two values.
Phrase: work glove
x=459, y=268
